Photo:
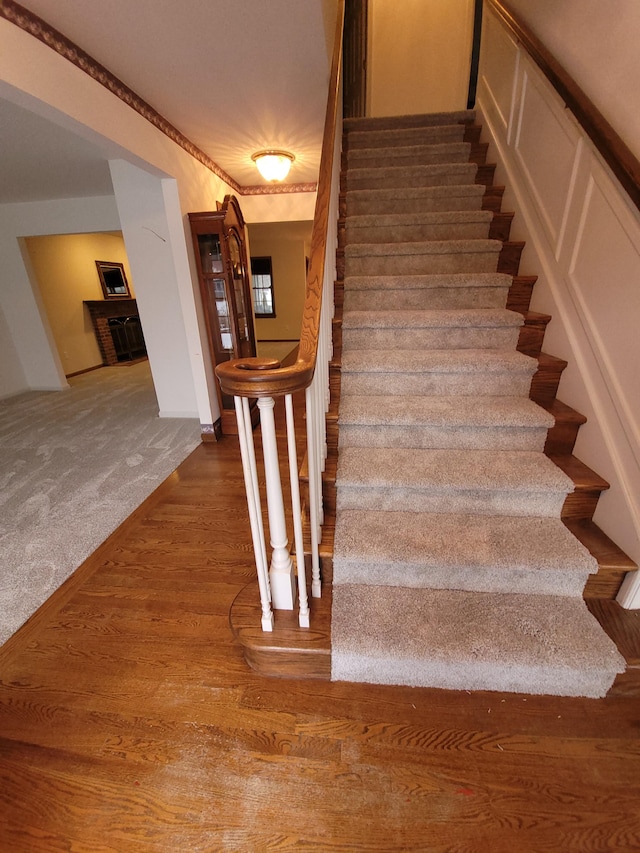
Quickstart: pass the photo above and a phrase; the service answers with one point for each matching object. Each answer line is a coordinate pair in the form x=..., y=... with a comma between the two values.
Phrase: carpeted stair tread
x=421, y=292
x=466, y=196
x=500, y=554
x=444, y=133
x=425, y=217
x=423, y=247
x=475, y=482
x=461, y=640
x=387, y=177
x=450, y=469
x=422, y=411
x=450, y=361
x=373, y=123
x=426, y=282
x=465, y=318
x=425, y=154
x=495, y=372
x=423, y=257
x=411, y=333
x=410, y=227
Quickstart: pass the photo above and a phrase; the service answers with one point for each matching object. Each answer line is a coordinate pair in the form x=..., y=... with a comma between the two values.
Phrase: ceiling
x=233, y=77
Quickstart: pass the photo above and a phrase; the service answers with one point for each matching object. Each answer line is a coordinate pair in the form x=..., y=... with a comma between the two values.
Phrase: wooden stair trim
x=492, y=198
x=519, y=294
x=588, y=486
x=500, y=226
x=613, y=563
x=288, y=651
x=545, y=381
x=509, y=257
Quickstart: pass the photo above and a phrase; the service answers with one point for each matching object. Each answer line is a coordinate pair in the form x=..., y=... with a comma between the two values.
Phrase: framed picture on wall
x=113, y=280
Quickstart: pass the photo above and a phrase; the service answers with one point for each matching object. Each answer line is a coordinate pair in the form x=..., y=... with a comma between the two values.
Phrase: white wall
x=597, y=43
x=12, y=378
x=149, y=241
x=419, y=56
x=583, y=241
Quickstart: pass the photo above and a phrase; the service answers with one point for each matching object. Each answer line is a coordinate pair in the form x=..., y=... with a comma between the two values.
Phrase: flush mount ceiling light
x=273, y=165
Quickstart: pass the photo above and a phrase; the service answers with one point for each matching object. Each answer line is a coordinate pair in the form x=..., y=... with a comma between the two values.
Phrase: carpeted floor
x=73, y=465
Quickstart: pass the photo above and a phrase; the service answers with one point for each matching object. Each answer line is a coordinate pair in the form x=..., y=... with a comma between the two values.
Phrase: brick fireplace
x=117, y=326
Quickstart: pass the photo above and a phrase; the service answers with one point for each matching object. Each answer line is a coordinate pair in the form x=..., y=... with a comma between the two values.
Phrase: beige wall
x=419, y=55
x=65, y=271
x=597, y=43
x=287, y=244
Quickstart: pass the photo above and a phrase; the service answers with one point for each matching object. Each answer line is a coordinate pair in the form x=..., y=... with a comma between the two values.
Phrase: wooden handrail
x=255, y=377
x=620, y=159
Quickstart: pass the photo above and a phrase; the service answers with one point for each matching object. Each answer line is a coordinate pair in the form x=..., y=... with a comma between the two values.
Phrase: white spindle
x=281, y=576
x=313, y=495
x=303, y=614
x=247, y=453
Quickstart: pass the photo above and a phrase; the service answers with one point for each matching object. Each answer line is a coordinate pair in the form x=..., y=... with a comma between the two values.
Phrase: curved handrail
x=620, y=159
x=255, y=377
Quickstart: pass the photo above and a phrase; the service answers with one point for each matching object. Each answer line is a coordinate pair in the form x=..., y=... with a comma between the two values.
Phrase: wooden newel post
x=281, y=573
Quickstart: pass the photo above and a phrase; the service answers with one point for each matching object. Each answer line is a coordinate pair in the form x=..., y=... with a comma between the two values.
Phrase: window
x=262, y=283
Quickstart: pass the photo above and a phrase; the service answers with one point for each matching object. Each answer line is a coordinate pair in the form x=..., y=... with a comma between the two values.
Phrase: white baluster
x=313, y=495
x=247, y=454
x=283, y=584
x=303, y=614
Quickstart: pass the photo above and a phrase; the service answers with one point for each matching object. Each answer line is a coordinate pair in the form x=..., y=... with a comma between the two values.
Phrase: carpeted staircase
x=451, y=565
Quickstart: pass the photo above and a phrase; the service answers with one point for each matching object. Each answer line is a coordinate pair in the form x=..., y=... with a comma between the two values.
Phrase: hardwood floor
x=129, y=721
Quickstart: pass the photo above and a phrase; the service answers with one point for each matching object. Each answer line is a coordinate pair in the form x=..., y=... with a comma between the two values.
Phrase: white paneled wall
x=583, y=242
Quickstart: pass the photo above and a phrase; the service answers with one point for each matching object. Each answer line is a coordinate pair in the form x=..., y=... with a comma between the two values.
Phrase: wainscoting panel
x=607, y=291
x=583, y=241
x=541, y=127
x=499, y=65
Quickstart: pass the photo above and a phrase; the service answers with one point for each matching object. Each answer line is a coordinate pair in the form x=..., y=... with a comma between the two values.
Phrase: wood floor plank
x=130, y=721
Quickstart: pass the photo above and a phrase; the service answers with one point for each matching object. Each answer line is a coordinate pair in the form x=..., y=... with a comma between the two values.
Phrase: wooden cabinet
x=225, y=286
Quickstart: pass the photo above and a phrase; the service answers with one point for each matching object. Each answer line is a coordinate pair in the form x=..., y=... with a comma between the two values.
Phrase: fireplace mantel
x=112, y=307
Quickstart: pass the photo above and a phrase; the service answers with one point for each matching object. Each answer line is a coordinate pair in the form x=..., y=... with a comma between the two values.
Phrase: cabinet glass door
x=212, y=264
x=210, y=254
x=238, y=273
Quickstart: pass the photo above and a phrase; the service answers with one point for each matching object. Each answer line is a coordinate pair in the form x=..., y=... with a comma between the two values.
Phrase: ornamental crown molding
x=44, y=32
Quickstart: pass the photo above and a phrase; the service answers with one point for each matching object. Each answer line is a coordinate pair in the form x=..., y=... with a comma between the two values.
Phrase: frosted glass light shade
x=273, y=165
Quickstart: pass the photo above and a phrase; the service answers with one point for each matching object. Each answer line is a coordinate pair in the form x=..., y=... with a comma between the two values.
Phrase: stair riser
x=449, y=437
x=423, y=264
x=561, y=439
x=419, y=233
x=471, y=675
x=379, y=179
x=425, y=299
x=447, y=338
x=479, y=579
x=503, y=503
x=437, y=384
x=544, y=385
